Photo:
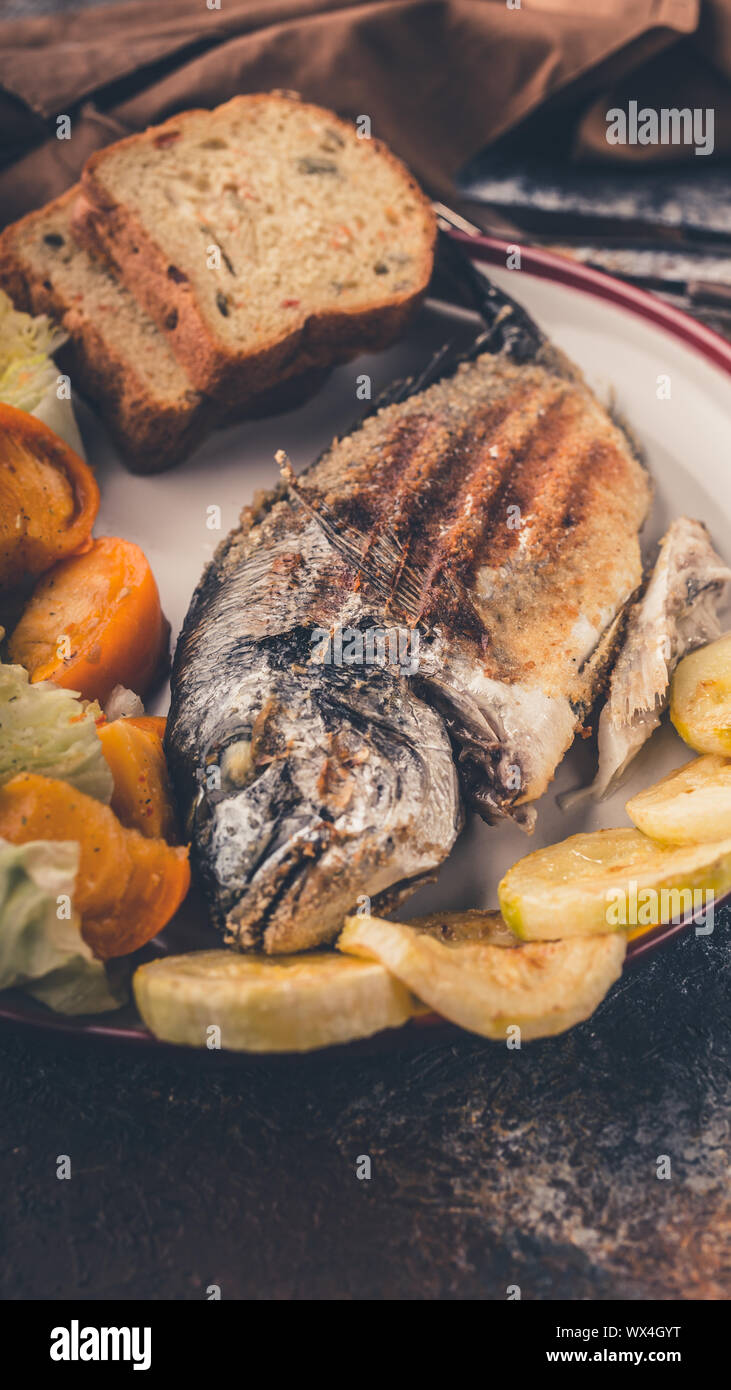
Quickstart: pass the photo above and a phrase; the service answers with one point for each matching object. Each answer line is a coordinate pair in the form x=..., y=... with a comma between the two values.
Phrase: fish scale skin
x=404, y=522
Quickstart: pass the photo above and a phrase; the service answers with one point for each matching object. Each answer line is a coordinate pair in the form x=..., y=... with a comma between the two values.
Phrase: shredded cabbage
x=41, y=946
x=28, y=376
x=46, y=729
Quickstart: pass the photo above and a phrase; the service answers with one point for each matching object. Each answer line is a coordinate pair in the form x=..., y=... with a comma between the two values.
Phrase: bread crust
x=317, y=340
x=151, y=436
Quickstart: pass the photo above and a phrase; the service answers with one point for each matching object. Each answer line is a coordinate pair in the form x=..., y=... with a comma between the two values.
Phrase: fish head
x=322, y=786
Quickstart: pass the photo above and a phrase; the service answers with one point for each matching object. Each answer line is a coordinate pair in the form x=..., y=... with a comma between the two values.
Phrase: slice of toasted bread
x=264, y=238
x=115, y=355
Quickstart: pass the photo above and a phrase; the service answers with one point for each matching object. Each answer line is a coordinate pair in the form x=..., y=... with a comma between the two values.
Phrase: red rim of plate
x=545, y=265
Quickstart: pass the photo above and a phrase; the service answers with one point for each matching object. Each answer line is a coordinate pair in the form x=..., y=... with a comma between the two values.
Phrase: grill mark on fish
x=463, y=468
x=558, y=561
x=450, y=508
x=367, y=508
x=447, y=507
x=482, y=528
x=553, y=478
x=435, y=482
x=543, y=478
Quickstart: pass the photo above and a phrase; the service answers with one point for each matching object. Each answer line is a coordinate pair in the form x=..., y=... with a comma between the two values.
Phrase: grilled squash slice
x=690, y=806
x=700, y=698
x=608, y=880
x=257, y=1003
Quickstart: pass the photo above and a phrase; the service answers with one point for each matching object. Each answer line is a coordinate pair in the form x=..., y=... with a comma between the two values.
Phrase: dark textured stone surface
x=489, y=1167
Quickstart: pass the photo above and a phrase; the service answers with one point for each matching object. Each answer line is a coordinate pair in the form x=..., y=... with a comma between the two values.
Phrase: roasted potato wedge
x=470, y=969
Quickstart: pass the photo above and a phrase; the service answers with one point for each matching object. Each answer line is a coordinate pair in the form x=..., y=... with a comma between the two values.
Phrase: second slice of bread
x=115, y=353
x=264, y=238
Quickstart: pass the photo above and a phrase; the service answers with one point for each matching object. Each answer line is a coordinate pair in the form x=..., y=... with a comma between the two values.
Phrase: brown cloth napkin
x=440, y=79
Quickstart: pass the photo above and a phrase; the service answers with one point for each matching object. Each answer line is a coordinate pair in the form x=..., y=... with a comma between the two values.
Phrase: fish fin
x=595, y=671
x=381, y=560
x=509, y=327
x=400, y=390
x=677, y=610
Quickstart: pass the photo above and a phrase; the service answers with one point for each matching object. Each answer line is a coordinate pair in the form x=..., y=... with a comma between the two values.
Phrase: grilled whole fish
x=487, y=517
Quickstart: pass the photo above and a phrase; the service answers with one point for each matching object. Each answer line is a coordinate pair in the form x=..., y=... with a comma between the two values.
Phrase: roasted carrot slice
x=151, y=723
x=127, y=888
x=48, y=498
x=93, y=622
x=142, y=795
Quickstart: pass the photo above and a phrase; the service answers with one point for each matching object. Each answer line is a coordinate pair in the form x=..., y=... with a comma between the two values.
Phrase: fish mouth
x=294, y=889
x=279, y=882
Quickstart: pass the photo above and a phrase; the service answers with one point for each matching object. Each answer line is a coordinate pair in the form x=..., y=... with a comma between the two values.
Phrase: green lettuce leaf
x=28, y=376
x=41, y=946
x=46, y=729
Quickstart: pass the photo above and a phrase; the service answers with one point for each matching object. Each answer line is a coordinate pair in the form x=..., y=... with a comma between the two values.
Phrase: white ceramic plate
x=687, y=441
